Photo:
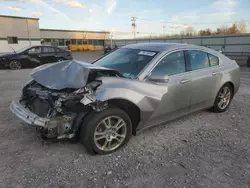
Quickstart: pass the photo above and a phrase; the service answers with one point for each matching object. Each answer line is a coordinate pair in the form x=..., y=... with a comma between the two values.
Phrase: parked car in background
x=108, y=49
x=33, y=56
x=133, y=88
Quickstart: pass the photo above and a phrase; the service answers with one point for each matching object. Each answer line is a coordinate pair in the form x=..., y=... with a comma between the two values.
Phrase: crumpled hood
x=66, y=74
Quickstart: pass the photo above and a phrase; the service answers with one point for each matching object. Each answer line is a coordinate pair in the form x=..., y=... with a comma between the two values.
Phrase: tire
x=60, y=59
x=93, y=125
x=248, y=62
x=218, y=108
x=15, y=65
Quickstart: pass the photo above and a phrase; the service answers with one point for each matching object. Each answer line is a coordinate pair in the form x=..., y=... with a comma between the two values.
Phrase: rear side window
x=48, y=50
x=172, y=64
x=197, y=60
x=213, y=60
x=58, y=50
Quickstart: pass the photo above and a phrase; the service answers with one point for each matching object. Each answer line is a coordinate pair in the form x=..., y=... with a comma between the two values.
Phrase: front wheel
x=15, y=65
x=106, y=131
x=223, y=98
x=60, y=59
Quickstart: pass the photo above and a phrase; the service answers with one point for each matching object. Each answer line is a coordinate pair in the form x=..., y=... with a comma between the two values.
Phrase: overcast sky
x=116, y=14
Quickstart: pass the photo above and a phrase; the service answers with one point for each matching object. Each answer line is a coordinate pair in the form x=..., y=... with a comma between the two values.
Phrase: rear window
x=197, y=60
x=213, y=60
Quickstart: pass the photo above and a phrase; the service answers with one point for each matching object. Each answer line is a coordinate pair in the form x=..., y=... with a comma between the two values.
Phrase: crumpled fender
x=145, y=104
x=144, y=95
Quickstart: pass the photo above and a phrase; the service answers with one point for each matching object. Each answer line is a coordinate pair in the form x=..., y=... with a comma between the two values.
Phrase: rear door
x=49, y=55
x=62, y=54
x=205, y=78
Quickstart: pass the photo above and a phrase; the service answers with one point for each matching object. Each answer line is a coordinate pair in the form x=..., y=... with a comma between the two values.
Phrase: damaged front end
x=58, y=112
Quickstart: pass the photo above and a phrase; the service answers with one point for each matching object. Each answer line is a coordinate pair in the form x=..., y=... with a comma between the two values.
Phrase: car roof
x=43, y=46
x=158, y=46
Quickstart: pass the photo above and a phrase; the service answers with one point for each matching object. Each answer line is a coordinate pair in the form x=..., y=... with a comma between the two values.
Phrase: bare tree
x=189, y=31
x=242, y=26
x=205, y=32
x=234, y=29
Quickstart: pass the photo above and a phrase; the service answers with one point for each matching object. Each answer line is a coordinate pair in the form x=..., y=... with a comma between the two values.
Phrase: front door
x=175, y=102
x=33, y=56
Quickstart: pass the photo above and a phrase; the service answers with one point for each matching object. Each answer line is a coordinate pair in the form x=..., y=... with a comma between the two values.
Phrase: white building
x=18, y=32
x=62, y=38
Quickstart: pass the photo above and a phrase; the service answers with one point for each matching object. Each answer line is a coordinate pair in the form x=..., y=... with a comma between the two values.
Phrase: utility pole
x=111, y=39
x=28, y=31
x=133, y=20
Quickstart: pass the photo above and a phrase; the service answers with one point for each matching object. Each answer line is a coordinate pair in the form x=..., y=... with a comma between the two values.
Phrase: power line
x=195, y=23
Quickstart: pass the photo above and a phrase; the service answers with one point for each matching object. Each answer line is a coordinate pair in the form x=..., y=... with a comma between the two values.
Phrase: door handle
x=185, y=81
x=215, y=73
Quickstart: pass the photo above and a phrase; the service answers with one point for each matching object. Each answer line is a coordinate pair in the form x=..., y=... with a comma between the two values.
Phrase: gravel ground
x=199, y=150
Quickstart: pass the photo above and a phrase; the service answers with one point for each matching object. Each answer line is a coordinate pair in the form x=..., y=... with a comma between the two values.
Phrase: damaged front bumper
x=26, y=115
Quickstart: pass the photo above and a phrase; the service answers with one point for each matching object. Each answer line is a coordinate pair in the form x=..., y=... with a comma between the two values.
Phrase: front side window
x=35, y=50
x=172, y=64
x=213, y=60
x=128, y=62
x=197, y=60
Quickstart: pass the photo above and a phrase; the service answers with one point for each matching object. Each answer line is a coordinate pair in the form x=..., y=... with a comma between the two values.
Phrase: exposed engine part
x=59, y=126
x=41, y=107
x=99, y=105
x=90, y=99
x=65, y=108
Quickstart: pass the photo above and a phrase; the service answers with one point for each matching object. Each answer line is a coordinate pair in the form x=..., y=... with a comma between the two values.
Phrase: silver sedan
x=133, y=88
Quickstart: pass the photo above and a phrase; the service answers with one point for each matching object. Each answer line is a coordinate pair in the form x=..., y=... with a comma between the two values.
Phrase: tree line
x=236, y=28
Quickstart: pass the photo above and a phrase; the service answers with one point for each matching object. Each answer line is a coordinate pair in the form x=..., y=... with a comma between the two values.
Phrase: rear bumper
x=26, y=115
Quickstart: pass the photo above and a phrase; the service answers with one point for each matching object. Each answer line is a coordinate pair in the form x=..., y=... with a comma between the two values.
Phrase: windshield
x=23, y=49
x=128, y=62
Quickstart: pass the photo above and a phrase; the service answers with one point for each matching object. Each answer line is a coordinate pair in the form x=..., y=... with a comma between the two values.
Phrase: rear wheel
x=106, y=131
x=223, y=98
x=15, y=65
x=60, y=59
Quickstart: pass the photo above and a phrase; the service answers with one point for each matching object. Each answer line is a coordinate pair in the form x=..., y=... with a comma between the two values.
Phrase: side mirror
x=158, y=78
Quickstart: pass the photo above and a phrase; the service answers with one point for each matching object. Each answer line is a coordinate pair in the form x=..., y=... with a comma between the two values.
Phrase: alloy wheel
x=224, y=98
x=14, y=65
x=110, y=133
